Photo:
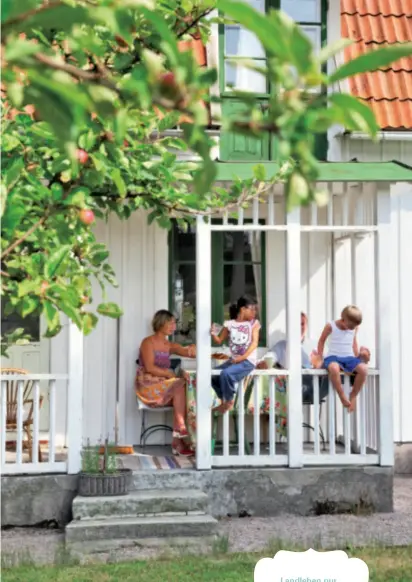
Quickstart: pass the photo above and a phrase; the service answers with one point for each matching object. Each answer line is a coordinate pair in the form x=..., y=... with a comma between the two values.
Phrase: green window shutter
x=237, y=147
x=321, y=146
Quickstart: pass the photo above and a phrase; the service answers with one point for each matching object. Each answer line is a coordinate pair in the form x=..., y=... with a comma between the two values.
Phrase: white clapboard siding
x=366, y=151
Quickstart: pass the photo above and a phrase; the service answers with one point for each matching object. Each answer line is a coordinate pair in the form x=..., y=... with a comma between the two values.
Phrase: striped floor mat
x=140, y=462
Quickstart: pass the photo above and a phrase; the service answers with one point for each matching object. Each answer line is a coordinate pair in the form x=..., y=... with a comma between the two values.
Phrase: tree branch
x=23, y=238
x=194, y=22
x=87, y=76
x=25, y=15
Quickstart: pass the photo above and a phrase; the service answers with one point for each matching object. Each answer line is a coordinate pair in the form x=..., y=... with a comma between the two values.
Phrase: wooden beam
x=384, y=277
x=329, y=171
x=293, y=309
x=203, y=343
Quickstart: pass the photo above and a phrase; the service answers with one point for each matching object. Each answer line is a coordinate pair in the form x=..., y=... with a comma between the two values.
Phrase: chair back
x=12, y=392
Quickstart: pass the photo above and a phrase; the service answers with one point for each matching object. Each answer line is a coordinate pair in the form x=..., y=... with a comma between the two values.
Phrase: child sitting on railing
x=242, y=330
x=344, y=354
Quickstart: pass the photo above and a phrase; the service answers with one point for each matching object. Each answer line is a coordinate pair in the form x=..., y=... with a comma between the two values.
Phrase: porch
x=349, y=242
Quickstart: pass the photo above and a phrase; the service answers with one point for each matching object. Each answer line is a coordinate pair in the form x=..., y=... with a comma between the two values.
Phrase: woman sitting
x=157, y=385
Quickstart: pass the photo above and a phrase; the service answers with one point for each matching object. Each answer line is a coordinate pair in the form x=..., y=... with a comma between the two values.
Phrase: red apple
x=86, y=216
x=126, y=143
x=168, y=79
x=82, y=156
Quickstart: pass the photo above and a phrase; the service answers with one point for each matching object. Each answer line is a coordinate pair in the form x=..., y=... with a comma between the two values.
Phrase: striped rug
x=140, y=462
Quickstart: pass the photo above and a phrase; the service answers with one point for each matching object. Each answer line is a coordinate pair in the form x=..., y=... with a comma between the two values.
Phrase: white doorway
x=33, y=357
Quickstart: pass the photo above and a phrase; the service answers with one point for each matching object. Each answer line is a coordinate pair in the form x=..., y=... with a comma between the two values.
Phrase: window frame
x=269, y=4
x=218, y=276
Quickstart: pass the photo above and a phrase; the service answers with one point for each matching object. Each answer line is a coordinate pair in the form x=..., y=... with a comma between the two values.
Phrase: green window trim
x=218, y=264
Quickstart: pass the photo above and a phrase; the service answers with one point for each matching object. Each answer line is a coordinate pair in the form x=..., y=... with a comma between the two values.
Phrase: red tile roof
x=371, y=23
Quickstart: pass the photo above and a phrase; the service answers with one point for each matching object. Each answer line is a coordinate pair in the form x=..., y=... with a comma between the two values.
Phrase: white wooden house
x=356, y=250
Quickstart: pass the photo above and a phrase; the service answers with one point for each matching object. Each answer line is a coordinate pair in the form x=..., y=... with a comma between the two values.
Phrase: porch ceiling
x=329, y=171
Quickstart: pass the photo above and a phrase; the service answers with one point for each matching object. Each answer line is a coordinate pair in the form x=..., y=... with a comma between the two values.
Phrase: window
x=238, y=260
x=235, y=42
x=13, y=321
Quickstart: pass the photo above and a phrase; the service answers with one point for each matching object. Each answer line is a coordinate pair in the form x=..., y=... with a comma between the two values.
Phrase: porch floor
x=159, y=457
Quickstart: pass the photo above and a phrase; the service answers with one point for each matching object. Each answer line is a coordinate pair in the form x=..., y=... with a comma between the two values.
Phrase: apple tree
x=89, y=88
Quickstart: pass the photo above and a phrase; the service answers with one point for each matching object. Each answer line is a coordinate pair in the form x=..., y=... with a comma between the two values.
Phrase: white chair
x=143, y=408
x=146, y=432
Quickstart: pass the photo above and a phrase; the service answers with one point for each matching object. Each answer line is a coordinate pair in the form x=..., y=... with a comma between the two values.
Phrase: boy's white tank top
x=340, y=342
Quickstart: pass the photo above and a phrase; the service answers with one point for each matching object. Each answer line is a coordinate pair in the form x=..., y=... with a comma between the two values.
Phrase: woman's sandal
x=182, y=433
x=183, y=452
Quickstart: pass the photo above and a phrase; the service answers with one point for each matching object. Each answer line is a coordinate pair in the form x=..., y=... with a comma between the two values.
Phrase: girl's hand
x=237, y=359
x=191, y=351
x=213, y=329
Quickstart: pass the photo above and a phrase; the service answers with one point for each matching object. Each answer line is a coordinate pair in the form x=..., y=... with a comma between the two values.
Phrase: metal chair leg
x=143, y=426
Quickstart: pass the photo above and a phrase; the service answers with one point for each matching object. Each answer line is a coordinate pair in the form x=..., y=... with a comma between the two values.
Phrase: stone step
x=140, y=504
x=140, y=527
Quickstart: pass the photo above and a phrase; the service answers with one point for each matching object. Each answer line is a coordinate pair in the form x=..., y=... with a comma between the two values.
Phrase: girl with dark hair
x=242, y=331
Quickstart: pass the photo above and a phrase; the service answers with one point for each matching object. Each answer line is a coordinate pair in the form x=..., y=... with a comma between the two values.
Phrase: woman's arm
x=221, y=337
x=253, y=345
x=184, y=351
x=327, y=330
x=148, y=357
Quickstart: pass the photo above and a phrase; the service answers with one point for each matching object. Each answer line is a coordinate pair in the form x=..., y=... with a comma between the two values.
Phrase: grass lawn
x=385, y=565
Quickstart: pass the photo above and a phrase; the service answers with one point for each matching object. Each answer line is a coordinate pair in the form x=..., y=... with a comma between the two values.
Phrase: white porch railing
x=336, y=437
x=23, y=409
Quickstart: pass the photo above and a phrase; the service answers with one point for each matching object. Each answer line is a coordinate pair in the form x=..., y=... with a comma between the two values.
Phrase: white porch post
x=203, y=343
x=293, y=309
x=384, y=324
x=75, y=400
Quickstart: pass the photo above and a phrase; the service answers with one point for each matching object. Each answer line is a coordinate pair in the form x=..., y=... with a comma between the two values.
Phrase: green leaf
x=258, y=23
x=13, y=173
x=372, y=60
x=6, y=7
x=119, y=182
x=259, y=172
x=301, y=49
x=18, y=49
x=356, y=115
x=29, y=304
x=52, y=316
x=72, y=313
x=55, y=262
x=120, y=124
x=26, y=287
x=9, y=143
x=110, y=310
x=89, y=322
x=333, y=49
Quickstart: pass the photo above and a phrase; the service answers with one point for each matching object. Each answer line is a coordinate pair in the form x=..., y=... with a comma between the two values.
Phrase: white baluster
x=36, y=422
x=316, y=406
x=346, y=417
x=331, y=401
x=241, y=419
x=272, y=419
x=256, y=415
x=19, y=444
x=52, y=421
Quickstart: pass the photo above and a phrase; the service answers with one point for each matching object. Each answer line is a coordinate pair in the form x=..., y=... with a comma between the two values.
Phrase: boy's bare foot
x=345, y=402
x=352, y=400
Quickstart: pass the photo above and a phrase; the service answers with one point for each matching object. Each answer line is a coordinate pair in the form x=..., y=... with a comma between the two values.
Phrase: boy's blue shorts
x=346, y=364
